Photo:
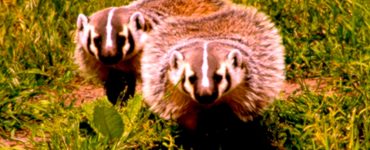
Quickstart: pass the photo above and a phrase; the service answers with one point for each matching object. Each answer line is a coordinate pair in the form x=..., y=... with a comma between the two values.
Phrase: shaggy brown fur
x=247, y=30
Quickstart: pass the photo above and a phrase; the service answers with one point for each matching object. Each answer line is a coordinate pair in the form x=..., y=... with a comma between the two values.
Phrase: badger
x=110, y=41
x=232, y=58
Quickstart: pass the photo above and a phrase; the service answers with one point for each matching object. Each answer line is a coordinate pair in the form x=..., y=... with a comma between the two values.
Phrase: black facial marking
x=131, y=41
x=228, y=81
x=206, y=98
x=183, y=80
x=121, y=40
x=235, y=61
x=98, y=43
x=138, y=25
x=89, y=42
x=217, y=78
x=192, y=79
x=175, y=65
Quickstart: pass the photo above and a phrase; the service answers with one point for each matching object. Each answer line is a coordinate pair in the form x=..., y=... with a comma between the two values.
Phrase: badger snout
x=206, y=96
x=110, y=56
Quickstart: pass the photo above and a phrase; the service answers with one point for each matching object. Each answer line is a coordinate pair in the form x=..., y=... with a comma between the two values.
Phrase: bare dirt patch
x=84, y=94
x=313, y=84
x=20, y=140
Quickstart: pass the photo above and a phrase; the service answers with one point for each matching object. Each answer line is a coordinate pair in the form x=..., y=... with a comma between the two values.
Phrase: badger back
x=188, y=8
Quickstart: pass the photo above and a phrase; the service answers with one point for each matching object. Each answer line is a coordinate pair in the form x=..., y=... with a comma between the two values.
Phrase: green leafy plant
x=108, y=122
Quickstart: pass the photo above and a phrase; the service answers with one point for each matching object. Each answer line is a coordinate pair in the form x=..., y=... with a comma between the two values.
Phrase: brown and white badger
x=233, y=58
x=110, y=41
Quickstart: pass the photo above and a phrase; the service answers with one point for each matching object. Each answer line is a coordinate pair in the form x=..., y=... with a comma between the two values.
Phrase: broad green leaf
x=134, y=107
x=108, y=122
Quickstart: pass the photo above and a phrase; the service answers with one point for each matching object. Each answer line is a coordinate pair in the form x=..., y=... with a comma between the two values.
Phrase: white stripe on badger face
x=205, y=80
x=127, y=44
x=187, y=85
x=109, y=41
x=92, y=46
x=223, y=83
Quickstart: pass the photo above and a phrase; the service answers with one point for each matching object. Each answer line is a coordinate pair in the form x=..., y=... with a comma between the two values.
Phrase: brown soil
x=84, y=94
x=292, y=88
x=21, y=140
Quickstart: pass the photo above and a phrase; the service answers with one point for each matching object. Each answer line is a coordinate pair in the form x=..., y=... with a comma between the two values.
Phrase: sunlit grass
x=324, y=39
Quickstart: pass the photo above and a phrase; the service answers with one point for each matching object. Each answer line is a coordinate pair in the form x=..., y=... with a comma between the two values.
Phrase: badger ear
x=137, y=21
x=175, y=59
x=235, y=57
x=82, y=21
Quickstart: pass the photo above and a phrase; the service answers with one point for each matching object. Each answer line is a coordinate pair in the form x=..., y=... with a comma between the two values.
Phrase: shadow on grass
x=219, y=128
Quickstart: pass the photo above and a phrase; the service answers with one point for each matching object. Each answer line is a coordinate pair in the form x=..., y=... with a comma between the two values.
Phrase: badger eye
x=97, y=41
x=192, y=79
x=217, y=78
x=120, y=41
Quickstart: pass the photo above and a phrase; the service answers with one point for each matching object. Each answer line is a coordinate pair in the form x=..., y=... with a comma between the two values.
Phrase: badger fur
x=234, y=57
x=110, y=41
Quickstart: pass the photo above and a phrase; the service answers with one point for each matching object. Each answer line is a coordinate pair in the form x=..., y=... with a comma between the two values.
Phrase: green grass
x=327, y=40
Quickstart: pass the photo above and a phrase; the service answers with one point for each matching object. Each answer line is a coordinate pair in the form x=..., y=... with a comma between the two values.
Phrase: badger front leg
x=130, y=81
x=119, y=83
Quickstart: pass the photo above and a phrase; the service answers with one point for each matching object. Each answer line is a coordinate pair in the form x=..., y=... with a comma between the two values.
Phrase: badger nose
x=110, y=56
x=206, y=97
x=110, y=60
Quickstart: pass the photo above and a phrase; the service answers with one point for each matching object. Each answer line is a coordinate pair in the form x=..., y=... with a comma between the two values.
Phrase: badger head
x=206, y=70
x=113, y=34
